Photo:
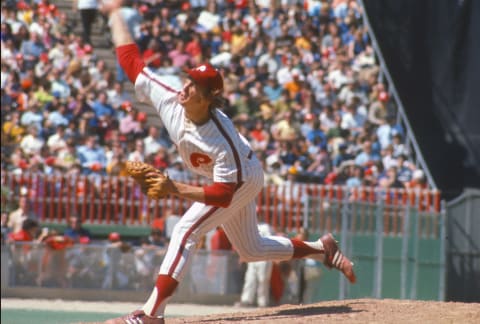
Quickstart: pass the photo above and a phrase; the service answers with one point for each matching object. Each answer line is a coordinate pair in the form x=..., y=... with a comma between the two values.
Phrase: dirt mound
x=350, y=311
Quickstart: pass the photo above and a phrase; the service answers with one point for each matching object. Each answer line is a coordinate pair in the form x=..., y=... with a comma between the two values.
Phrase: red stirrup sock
x=164, y=288
x=302, y=249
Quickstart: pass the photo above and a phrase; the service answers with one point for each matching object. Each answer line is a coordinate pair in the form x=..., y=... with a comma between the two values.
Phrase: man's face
x=156, y=236
x=102, y=97
x=90, y=142
x=33, y=231
x=75, y=223
x=190, y=96
x=22, y=203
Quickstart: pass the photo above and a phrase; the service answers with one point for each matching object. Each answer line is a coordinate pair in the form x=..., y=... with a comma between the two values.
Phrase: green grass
x=25, y=316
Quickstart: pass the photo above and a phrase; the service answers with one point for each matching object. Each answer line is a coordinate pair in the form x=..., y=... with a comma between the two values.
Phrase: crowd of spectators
x=301, y=84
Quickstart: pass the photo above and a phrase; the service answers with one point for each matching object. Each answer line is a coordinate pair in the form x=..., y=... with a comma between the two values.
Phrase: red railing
x=118, y=200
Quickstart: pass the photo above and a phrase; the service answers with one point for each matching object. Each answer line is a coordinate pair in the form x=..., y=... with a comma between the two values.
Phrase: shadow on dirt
x=287, y=313
x=316, y=310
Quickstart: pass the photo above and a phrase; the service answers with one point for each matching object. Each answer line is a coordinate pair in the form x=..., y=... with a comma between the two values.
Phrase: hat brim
x=190, y=74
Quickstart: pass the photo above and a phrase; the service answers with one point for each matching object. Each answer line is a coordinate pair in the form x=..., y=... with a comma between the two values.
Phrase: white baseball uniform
x=214, y=150
x=217, y=151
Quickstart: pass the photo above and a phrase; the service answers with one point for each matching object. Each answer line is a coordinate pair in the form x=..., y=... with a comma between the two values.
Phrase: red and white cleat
x=137, y=317
x=334, y=258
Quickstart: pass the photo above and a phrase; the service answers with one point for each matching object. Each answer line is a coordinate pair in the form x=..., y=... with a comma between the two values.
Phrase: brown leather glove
x=153, y=182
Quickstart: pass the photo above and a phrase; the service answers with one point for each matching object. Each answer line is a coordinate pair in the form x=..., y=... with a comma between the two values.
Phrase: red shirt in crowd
x=21, y=236
x=220, y=241
x=154, y=60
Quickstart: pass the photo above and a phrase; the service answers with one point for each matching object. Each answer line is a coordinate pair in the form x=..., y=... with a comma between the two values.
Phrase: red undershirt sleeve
x=130, y=60
x=219, y=194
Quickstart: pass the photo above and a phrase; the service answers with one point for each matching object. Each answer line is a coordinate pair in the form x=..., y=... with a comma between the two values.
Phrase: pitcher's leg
x=185, y=236
x=196, y=222
x=242, y=231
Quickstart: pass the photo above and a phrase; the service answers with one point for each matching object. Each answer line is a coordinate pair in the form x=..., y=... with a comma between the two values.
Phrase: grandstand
x=333, y=76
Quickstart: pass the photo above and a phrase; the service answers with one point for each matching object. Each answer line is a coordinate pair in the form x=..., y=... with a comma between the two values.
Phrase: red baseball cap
x=22, y=5
x=114, y=237
x=206, y=76
x=141, y=117
x=126, y=105
x=44, y=57
x=84, y=240
x=383, y=96
x=88, y=48
x=143, y=8
x=50, y=160
x=22, y=164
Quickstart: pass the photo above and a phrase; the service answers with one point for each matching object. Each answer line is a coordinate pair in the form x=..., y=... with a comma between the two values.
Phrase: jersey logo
x=201, y=68
x=198, y=158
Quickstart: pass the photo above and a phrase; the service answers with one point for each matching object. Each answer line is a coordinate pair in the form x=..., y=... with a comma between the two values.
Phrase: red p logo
x=199, y=158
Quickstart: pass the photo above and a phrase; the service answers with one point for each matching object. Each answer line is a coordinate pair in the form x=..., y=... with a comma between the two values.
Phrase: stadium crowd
x=301, y=83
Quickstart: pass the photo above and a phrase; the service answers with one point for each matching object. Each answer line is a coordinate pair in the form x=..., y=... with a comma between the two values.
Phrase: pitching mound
x=350, y=311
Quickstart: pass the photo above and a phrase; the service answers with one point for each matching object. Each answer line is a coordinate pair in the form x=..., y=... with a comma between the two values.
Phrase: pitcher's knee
x=181, y=233
x=251, y=255
x=180, y=229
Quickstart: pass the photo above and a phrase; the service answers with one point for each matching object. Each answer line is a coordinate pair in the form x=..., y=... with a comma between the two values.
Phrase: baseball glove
x=154, y=183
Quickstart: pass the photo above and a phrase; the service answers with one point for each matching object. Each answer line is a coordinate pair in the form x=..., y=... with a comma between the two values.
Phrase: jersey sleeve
x=151, y=89
x=130, y=60
x=232, y=155
x=225, y=169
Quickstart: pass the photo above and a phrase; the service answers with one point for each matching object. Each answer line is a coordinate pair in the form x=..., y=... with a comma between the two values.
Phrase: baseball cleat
x=137, y=317
x=334, y=258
